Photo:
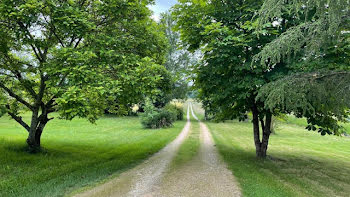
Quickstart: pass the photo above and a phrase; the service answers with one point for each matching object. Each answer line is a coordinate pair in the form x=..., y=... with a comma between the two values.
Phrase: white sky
x=161, y=6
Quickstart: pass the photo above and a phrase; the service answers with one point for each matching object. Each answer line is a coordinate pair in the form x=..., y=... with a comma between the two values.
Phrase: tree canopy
x=76, y=57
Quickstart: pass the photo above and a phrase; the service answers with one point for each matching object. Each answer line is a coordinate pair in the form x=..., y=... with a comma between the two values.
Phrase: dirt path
x=142, y=180
x=204, y=175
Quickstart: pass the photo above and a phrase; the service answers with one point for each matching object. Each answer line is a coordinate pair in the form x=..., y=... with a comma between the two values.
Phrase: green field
x=300, y=163
x=76, y=154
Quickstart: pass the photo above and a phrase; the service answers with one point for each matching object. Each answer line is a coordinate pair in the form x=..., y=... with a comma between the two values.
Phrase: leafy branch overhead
x=310, y=27
x=320, y=97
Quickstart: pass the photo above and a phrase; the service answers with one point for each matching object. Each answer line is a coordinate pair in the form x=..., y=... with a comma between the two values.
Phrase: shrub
x=157, y=118
x=176, y=109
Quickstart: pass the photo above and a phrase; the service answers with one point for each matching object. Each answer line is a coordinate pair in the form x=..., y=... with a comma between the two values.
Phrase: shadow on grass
x=287, y=174
x=59, y=169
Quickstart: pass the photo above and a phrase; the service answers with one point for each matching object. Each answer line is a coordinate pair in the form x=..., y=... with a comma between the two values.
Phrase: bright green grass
x=189, y=148
x=77, y=154
x=302, y=163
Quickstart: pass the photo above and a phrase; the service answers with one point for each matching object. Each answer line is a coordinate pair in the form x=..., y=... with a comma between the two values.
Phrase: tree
x=227, y=82
x=56, y=56
x=178, y=59
x=238, y=74
x=317, y=50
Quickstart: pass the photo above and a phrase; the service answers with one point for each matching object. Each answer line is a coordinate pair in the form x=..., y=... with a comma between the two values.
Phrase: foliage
x=316, y=48
x=178, y=59
x=141, y=79
x=225, y=79
x=177, y=109
x=320, y=23
x=155, y=118
x=320, y=97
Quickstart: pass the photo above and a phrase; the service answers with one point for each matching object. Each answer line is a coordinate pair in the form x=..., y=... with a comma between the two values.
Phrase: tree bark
x=35, y=132
x=266, y=135
x=256, y=131
x=261, y=145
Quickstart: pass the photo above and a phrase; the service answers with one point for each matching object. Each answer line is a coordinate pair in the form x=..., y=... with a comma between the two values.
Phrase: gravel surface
x=205, y=175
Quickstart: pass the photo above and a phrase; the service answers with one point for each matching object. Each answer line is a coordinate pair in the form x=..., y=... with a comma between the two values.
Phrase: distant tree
x=73, y=57
x=178, y=59
x=246, y=64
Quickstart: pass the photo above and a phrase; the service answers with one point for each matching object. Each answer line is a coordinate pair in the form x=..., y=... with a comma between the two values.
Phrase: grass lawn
x=77, y=154
x=301, y=163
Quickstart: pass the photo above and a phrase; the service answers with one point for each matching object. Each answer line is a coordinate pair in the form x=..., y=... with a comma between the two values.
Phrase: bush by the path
x=178, y=109
x=157, y=118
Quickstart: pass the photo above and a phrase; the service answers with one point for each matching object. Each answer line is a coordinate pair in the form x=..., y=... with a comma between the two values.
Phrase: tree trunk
x=261, y=145
x=256, y=130
x=34, y=137
x=266, y=135
x=33, y=142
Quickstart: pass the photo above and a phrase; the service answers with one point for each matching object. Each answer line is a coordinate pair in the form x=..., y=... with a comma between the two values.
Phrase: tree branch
x=38, y=53
x=77, y=43
x=52, y=100
x=25, y=85
x=53, y=31
x=41, y=90
x=18, y=98
x=18, y=119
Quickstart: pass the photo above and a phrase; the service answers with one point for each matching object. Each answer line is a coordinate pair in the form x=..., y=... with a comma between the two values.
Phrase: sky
x=161, y=6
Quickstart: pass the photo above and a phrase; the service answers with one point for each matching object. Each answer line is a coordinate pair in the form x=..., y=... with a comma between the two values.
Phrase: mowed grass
x=189, y=148
x=77, y=154
x=300, y=163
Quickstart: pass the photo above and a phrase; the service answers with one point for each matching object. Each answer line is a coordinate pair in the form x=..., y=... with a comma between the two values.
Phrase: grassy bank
x=77, y=154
